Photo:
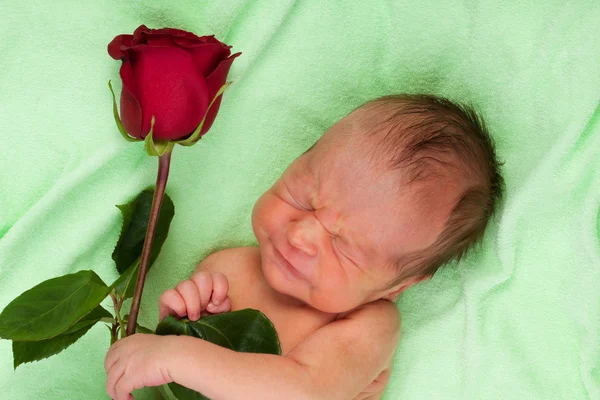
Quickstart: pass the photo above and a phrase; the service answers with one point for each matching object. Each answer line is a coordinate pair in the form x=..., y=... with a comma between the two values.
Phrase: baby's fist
x=204, y=291
x=137, y=361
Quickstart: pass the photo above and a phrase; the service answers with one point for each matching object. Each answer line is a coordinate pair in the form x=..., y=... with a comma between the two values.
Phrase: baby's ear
x=393, y=293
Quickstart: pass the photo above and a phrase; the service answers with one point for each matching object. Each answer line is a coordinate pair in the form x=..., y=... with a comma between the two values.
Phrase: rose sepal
x=193, y=139
x=158, y=147
x=126, y=136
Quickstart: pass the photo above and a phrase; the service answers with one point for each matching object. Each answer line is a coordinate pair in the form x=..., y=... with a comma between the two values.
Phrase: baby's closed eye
x=335, y=240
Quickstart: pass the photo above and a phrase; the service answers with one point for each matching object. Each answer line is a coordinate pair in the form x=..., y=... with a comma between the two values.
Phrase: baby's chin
x=332, y=305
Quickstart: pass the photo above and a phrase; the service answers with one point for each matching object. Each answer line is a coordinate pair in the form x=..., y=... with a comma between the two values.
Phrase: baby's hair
x=432, y=139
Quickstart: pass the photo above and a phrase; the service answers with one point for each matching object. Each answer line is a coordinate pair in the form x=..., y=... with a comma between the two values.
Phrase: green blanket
x=518, y=319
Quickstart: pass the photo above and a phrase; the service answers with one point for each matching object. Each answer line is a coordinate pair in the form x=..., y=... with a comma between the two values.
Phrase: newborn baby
x=385, y=197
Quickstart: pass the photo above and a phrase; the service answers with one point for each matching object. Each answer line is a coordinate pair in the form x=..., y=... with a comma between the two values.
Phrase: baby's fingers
x=114, y=373
x=170, y=303
x=188, y=290
x=220, y=289
x=204, y=285
x=123, y=390
x=224, y=307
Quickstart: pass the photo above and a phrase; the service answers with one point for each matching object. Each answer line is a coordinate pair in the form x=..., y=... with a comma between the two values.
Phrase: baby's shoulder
x=231, y=259
x=241, y=265
x=376, y=319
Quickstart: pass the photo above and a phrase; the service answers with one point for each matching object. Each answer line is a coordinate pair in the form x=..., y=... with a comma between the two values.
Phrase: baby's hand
x=204, y=291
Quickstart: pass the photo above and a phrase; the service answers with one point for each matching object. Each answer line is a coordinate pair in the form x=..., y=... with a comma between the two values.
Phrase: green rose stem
x=117, y=306
x=162, y=149
x=164, y=161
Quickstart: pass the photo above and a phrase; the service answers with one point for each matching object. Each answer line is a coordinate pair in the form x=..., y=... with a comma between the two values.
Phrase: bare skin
x=329, y=231
x=293, y=320
x=320, y=216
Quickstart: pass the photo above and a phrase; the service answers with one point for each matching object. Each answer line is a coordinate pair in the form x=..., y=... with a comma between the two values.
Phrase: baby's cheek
x=261, y=211
x=268, y=215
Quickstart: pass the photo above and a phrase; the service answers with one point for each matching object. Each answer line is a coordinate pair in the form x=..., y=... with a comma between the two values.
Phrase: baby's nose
x=302, y=235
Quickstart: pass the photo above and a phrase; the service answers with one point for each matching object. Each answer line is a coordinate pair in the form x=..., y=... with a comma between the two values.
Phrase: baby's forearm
x=220, y=373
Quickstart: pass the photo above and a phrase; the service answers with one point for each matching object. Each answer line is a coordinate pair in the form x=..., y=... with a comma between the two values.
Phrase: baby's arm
x=336, y=362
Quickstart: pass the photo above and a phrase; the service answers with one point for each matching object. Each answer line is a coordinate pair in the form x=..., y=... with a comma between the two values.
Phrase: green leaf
x=90, y=318
x=247, y=330
x=118, y=120
x=165, y=393
x=124, y=286
x=52, y=307
x=194, y=137
x=136, y=214
x=24, y=352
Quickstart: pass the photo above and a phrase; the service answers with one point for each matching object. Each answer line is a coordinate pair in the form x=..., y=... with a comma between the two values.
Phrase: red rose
x=172, y=75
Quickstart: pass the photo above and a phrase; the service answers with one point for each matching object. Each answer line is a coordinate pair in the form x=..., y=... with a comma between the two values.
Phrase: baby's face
x=340, y=223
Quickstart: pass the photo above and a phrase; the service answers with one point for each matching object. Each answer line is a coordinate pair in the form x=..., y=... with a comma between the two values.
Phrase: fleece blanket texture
x=518, y=319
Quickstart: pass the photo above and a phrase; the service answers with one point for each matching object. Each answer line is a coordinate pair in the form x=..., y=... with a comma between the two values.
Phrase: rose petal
x=171, y=89
x=138, y=35
x=159, y=40
x=187, y=42
x=155, y=39
x=116, y=48
x=131, y=110
x=174, y=32
x=214, y=82
x=207, y=57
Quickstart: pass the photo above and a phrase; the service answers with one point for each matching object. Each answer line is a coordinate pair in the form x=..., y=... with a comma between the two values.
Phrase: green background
x=518, y=319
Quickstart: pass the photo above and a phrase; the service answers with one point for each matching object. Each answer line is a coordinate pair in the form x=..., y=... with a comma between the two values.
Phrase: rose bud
x=172, y=83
